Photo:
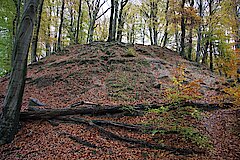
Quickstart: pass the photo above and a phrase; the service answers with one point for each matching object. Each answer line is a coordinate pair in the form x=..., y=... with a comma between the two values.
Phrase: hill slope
x=122, y=74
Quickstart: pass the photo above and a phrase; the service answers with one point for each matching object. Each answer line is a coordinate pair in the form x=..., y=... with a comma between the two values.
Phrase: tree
x=183, y=29
x=60, y=26
x=36, y=32
x=199, y=33
x=121, y=20
x=93, y=10
x=167, y=23
x=78, y=21
x=13, y=100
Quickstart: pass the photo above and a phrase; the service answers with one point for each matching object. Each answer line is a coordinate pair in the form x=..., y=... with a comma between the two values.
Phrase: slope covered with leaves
x=127, y=75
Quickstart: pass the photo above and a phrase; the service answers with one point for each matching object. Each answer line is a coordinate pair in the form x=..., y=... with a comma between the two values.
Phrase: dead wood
x=139, y=142
x=95, y=109
x=79, y=140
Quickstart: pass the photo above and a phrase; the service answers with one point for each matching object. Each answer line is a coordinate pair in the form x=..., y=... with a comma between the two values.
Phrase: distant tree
x=12, y=104
x=36, y=32
x=183, y=29
x=60, y=26
x=78, y=21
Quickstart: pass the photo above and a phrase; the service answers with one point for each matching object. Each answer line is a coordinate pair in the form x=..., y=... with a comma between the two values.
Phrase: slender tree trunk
x=166, y=27
x=110, y=34
x=60, y=27
x=210, y=39
x=115, y=20
x=78, y=21
x=16, y=19
x=205, y=53
x=191, y=34
x=183, y=30
x=56, y=32
x=36, y=32
x=48, y=46
x=12, y=103
x=199, y=39
x=121, y=20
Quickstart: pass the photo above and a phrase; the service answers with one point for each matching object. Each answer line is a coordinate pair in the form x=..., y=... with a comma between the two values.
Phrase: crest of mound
x=108, y=73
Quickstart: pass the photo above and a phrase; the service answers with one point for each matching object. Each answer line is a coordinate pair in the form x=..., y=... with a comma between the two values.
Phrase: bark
x=121, y=20
x=199, y=33
x=94, y=109
x=191, y=35
x=110, y=30
x=167, y=23
x=60, y=27
x=78, y=21
x=115, y=20
x=36, y=32
x=56, y=33
x=183, y=30
x=16, y=20
x=205, y=53
x=13, y=100
x=48, y=46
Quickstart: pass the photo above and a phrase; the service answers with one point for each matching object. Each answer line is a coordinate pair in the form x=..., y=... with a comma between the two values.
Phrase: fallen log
x=94, y=109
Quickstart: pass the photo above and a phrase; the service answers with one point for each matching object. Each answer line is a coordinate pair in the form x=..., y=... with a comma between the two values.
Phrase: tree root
x=79, y=140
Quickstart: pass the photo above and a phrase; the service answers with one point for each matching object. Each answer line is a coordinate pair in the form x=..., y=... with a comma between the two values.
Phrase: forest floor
x=113, y=74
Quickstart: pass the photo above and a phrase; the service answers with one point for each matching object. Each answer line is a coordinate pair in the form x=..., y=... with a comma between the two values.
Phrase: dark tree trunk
x=78, y=21
x=191, y=34
x=16, y=19
x=110, y=34
x=205, y=53
x=166, y=27
x=121, y=20
x=115, y=20
x=56, y=33
x=36, y=32
x=198, y=52
x=60, y=27
x=48, y=46
x=183, y=30
x=13, y=100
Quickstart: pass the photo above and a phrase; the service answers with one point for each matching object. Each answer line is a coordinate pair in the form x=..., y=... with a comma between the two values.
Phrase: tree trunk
x=16, y=19
x=183, y=30
x=121, y=20
x=78, y=21
x=191, y=34
x=115, y=20
x=48, y=46
x=167, y=23
x=36, y=33
x=110, y=34
x=60, y=27
x=56, y=33
x=199, y=38
x=13, y=100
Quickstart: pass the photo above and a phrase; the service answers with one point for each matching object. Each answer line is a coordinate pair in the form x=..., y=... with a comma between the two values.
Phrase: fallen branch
x=142, y=143
x=95, y=109
x=78, y=140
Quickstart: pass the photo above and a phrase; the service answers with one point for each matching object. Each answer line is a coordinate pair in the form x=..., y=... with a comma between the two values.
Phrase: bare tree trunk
x=13, y=100
x=183, y=30
x=78, y=21
x=16, y=19
x=121, y=20
x=48, y=46
x=110, y=34
x=167, y=23
x=56, y=33
x=115, y=20
x=60, y=27
x=199, y=33
x=191, y=34
x=36, y=32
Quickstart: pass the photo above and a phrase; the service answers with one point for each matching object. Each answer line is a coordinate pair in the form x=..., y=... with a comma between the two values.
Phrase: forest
x=119, y=79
